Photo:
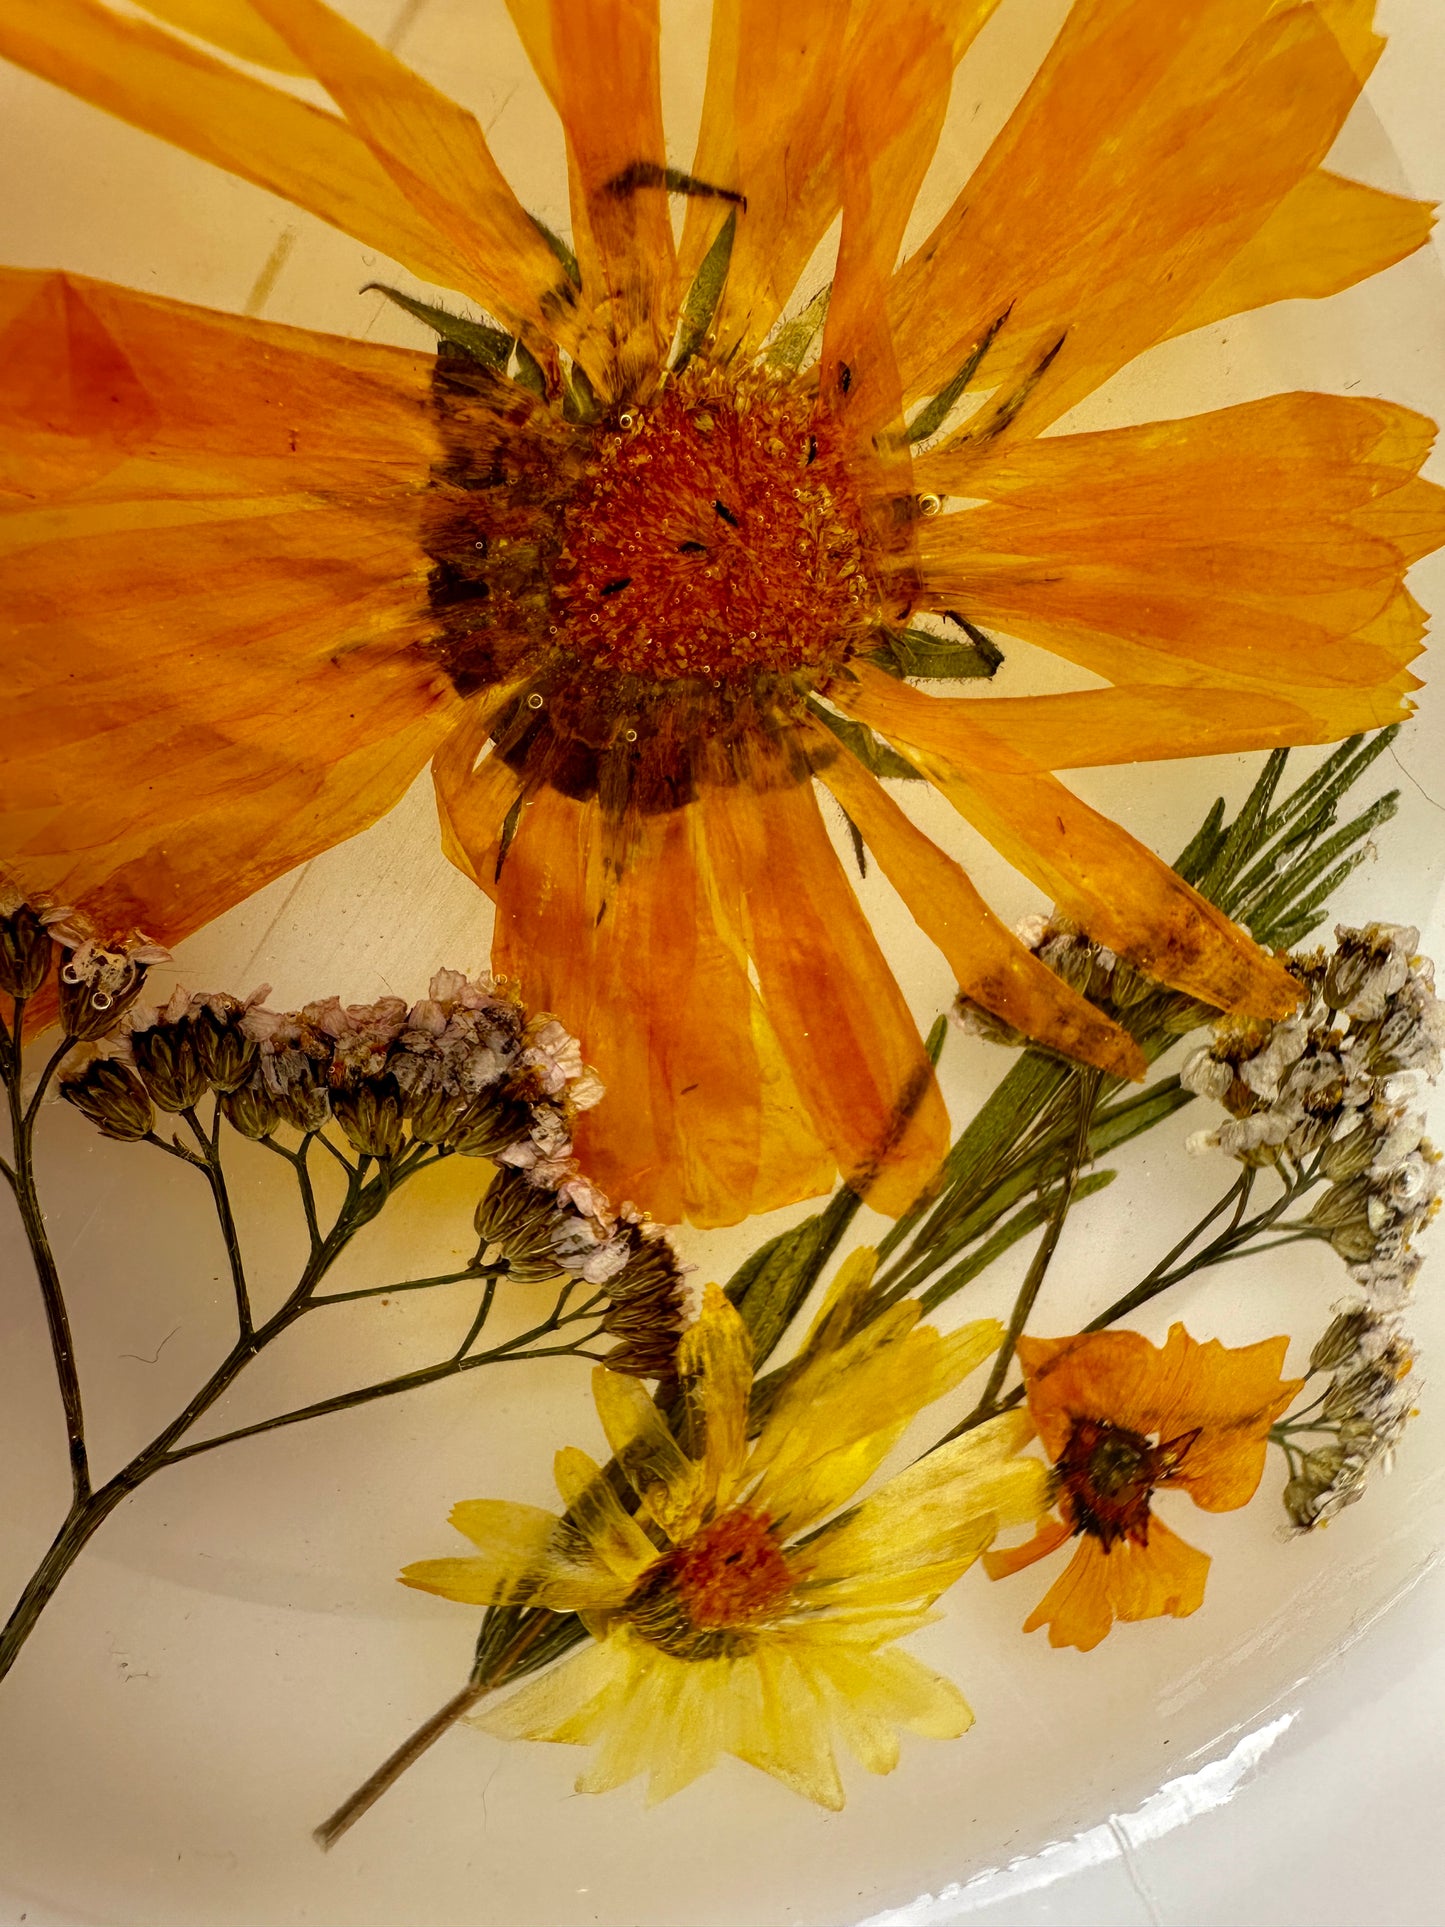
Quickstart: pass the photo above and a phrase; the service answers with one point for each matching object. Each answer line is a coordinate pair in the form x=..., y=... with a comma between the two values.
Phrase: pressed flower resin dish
x=500, y=1442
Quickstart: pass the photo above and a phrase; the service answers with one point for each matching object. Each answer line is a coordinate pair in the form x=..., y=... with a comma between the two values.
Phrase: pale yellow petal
x=942, y=1510
x=569, y=1703
x=845, y=1303
x=639, y=1734
x=660, y=1473
x=789, y=1735
x=702, y=1712
x=715, y=1367
x=838, y=1418
x=873, y=1693
x=595, y=1513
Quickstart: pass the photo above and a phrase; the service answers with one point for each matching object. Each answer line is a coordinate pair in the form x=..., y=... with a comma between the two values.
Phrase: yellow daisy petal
x=715, y=1369
x=666, y=1481
x=596, y=1516
x=569, y=1703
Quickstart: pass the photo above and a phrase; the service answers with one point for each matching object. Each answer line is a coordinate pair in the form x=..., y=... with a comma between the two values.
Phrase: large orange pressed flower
x=635, y=566
x=1121, y=1418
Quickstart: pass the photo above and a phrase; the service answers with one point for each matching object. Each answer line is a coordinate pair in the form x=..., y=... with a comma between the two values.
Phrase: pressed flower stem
x=988, y=1406
x=481, y=1683
x=91, y=1507
x=397, y=1763
x=27, y=1199
x=211, y=1163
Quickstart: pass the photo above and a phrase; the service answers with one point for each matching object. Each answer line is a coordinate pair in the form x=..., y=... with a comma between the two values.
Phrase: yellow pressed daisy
x=739, y=1611
x=634, y=566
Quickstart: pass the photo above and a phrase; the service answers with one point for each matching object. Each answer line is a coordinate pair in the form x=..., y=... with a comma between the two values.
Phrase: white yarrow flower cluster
x=1340, y=1082
x=1370, y=1398
x=1335, y=1091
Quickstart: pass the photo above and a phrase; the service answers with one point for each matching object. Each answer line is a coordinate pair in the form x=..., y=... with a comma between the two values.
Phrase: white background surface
x=231, y=1655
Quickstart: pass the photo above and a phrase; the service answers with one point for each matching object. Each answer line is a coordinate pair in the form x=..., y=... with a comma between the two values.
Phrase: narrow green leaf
x=1242, y=842
x=1300, y=878
x=705, y=293
x=1198, y=853
x=789, y=346
x=560, y=248
x=918, y=652
x=770, y=1287
x=860, y=741
x=490, y=346
x=933, y=414
x=529, y=373
x=1024, y=1221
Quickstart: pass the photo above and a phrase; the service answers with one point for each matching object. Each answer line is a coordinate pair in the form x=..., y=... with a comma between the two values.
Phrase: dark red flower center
x=1108, y=1475
x=726, y=1578
x=714, y=534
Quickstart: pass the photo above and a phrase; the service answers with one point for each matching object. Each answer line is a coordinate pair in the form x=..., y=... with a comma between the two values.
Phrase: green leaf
x=1028, y=1219
x=870, y=751
x=705, y=293
x=770, y=1287
x=560, y=248
x=490, y=346
x=529, y=371
x=794, y=338
x=933, y=414
x=918, y=652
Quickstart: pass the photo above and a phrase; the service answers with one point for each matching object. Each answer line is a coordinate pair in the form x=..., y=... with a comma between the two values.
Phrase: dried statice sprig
x=465, y=1071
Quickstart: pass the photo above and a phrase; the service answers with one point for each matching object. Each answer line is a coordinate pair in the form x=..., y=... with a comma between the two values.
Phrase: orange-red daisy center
x=714, y=535
x=732, y=1572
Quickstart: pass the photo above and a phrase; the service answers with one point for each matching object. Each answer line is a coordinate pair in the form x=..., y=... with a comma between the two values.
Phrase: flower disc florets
x=713, y=535
x=700, y=1599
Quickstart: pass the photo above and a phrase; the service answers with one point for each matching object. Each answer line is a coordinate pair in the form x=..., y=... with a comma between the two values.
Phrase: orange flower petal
x=1109, y=884
x=1003, y=1561
x=117, y=390
x=1151, y=147
x=1129, y=1581
x=232, y=25
x=600, y=65
x=474, y=793
x=164, y=87
x=841, y=1020
x=1090, y=728
x=438, y=156
x=182, y=608
x=1263, y=542
x=1229, y=1395
x=895, y=91
x=992, y=967
x=1326, y=234
x=772, y=123
x=699, y=1120
x=772, y=128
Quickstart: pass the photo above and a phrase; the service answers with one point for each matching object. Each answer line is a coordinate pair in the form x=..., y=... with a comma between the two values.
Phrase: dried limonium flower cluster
x=463, y=1071
x=1332, y=1095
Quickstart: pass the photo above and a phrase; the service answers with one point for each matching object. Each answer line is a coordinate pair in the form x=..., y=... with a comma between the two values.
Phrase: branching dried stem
x=368, y=1187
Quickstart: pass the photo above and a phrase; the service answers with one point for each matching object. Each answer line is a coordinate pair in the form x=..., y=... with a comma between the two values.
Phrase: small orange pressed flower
x=1121, y=1419
x=634, y=563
